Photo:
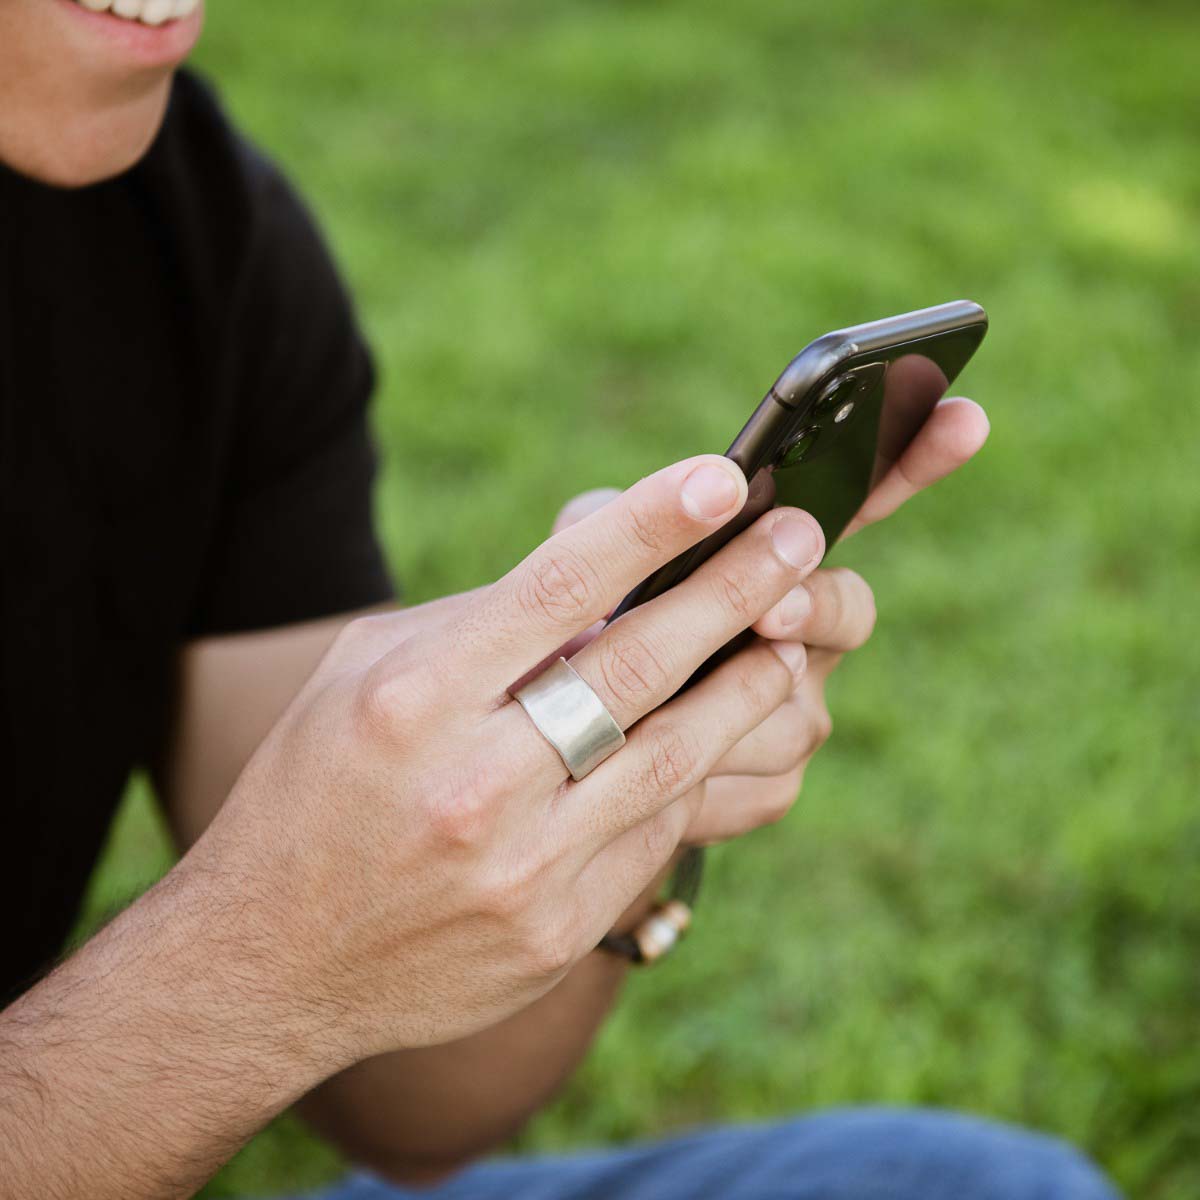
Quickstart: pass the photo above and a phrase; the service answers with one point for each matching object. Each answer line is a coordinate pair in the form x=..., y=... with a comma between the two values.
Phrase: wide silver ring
x=571, y=717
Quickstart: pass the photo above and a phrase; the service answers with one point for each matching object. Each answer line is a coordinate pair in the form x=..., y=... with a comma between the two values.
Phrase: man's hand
x=409, y=837
x=831, y=612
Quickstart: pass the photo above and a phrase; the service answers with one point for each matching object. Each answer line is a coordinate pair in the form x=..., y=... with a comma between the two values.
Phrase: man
x=393, y=892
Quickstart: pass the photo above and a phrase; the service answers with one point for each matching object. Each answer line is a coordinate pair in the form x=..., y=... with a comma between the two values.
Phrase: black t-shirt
x=183, y=451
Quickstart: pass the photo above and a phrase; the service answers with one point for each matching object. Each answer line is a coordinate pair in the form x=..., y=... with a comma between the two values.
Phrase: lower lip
x=147, y=45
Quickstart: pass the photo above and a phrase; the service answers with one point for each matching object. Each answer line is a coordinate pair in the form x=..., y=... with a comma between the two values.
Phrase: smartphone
x=824, y=435
x=834, y=422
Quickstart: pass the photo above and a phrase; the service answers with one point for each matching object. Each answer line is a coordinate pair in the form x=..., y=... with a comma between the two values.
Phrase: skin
x=78, y=108
x=362, y=922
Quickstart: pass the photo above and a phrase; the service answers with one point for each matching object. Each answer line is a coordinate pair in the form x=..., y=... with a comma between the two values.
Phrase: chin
x=93, y=148
x=87, y=147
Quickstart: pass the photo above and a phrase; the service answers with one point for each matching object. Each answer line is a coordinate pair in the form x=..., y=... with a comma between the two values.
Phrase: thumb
x=582, y=506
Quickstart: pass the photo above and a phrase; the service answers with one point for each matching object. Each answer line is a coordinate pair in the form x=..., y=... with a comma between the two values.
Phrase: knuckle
x=378, y=709
x=557, y=589
x=644, y=530
x=504, y=895
x=763, y=683
x=750, y=692
x=541, y=939
x=390, y=703
x=736, y=597
x=632, y=668
x=459, y=813
x=673, y=759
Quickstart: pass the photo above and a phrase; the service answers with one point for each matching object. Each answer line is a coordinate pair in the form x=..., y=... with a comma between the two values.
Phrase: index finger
x=953, y=434
x=581, y=573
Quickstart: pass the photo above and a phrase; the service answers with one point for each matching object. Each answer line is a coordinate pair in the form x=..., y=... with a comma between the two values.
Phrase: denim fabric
x=855, y=1154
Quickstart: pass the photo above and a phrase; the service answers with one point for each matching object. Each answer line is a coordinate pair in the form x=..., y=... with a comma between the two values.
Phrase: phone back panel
x=892, y=394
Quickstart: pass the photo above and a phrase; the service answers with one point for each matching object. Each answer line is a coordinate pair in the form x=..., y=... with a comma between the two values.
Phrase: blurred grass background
x=584, y=237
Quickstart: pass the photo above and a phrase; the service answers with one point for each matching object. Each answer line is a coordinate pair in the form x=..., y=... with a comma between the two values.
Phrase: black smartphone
x=834, y=422
x=824, y=435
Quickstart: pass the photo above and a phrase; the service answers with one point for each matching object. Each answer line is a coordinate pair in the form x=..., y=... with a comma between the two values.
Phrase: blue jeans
x=854, y=1154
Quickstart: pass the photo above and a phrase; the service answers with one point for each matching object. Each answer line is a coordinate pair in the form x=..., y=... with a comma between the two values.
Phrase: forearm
x=417, y=1115
x=143, y=1062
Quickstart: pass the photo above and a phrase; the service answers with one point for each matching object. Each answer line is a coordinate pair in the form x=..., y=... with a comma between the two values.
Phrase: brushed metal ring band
x=571, y=717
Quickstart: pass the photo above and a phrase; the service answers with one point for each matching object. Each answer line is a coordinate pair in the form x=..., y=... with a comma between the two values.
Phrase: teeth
x=149, y=12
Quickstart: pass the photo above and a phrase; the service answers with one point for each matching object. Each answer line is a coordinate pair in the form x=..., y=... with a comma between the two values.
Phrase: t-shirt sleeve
x=295, y=539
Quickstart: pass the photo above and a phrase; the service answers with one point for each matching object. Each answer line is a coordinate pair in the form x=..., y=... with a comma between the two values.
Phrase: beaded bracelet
x=657, y=934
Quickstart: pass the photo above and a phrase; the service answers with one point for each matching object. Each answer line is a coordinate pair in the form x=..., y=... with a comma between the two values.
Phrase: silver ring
x=571, y=717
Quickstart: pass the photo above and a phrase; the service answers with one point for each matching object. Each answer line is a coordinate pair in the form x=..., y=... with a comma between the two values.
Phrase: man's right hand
x=411, y=851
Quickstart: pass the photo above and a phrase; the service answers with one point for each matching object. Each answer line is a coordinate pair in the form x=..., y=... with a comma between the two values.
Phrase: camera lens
x=801, y=445
x=836, y=395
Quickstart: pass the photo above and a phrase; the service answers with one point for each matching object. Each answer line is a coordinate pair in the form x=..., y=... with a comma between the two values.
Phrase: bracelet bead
x=657, y=935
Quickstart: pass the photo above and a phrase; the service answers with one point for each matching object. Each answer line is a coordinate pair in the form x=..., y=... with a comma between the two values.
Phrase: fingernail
x=796, y=605
x=793, y=654
x=795, y=540
x=709, y=491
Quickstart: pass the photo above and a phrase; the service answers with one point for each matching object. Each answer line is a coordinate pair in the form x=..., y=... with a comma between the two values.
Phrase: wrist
x=229, y=941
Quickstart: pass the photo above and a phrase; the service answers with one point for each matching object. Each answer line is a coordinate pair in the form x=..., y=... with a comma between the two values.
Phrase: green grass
x=584, y=236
